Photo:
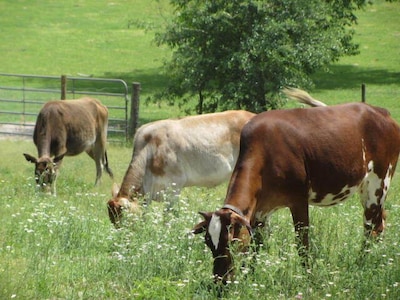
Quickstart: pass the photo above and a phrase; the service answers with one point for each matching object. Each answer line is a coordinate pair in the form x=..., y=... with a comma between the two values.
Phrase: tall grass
x=66, y=248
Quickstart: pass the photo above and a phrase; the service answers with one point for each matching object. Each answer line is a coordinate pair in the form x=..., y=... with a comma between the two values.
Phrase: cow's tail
x=106, y=166
x=302, y=97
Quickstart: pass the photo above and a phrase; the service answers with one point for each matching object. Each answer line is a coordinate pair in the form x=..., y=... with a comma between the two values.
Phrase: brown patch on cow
x=342, y=196
x=376, y=215
x=157, y=161
x=157, y=164
x=153, y=139
x=379, y=193
x=147, y=138
x=319, y=197
x=157, y=141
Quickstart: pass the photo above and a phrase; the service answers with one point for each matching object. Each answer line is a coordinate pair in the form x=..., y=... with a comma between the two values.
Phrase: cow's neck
x=43, y=142
x=234, y=209
x=131, y=184
x=245, y=209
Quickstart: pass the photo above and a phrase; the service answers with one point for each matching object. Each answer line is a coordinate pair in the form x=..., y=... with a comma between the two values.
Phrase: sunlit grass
x=66, y=247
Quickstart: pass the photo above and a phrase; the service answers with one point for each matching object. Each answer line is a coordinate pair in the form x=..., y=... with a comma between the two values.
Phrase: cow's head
x=46, y=171
x=118, y=204
x=223, y=228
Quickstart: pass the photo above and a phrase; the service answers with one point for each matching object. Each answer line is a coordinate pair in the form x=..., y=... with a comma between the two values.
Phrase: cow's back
x=69, y=126
x=318, y=149
x=196, y=150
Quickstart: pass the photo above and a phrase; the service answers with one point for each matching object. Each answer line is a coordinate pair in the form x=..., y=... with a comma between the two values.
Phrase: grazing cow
x=68, y=127
x=192, y=151
x=300, y=157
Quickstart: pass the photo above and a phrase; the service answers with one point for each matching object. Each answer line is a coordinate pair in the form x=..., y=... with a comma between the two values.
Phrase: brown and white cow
x=69, y=127
x=192, y=151
x=300, y=157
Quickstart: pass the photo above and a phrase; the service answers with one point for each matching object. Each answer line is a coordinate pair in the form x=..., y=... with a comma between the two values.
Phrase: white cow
x=192, y=151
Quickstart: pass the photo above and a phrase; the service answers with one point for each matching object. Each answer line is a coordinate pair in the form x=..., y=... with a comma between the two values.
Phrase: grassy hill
x=116, y=40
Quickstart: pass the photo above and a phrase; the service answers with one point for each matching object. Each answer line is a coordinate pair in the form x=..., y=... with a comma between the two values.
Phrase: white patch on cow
x=332, y=199
x=373, y=184
x=363, y=150
x=370, y=167
x=387, y=180
x=214, y=229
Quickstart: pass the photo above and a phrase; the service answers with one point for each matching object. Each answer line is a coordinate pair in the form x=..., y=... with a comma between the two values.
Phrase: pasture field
x=66, y=247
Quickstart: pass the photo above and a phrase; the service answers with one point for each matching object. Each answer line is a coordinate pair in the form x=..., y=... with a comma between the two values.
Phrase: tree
x=239, y=54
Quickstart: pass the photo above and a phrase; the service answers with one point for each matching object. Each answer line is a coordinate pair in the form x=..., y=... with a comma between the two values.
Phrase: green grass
x=102, y=39
x=66, y=248
x=377, y=65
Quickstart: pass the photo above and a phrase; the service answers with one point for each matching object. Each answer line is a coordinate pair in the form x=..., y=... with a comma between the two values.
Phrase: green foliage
x=239, y=54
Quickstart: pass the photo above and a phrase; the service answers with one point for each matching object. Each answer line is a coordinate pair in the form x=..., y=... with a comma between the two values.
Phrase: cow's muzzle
x=114, y=212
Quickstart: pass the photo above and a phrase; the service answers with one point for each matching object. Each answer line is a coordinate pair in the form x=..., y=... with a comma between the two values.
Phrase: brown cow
x=68, y=127
x=300, y=157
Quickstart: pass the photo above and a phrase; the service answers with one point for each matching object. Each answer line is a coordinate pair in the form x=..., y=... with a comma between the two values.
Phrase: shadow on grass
x=340, y=76
x=152, y=80
x=349, y=76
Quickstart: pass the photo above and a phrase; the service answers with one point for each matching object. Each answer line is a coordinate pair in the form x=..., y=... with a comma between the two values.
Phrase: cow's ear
x=202, y=226
x=30, y=158
x=58, y=158
x=206, y=215
x=115, y=190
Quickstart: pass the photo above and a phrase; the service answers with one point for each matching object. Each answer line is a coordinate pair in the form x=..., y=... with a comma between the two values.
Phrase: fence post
x=363, y=99
x=63, y=87
x=134, y=122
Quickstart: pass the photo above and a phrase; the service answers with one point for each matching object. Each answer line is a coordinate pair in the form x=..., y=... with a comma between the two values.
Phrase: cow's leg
x=55, y=171
x=373, y=195
x=97, y=157
x=301, y=226
x=372, y=198
x=261, y=231
x=101, y=146
x=53, y=187
x=106, y=166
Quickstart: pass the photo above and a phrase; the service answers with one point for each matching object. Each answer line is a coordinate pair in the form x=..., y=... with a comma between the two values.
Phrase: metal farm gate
x=22, y=96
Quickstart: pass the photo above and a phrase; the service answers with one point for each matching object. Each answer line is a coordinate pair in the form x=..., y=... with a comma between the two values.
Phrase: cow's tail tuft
x=302, y=97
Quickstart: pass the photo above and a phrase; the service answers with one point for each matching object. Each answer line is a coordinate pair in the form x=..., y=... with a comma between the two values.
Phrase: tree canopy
x=238, y=54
